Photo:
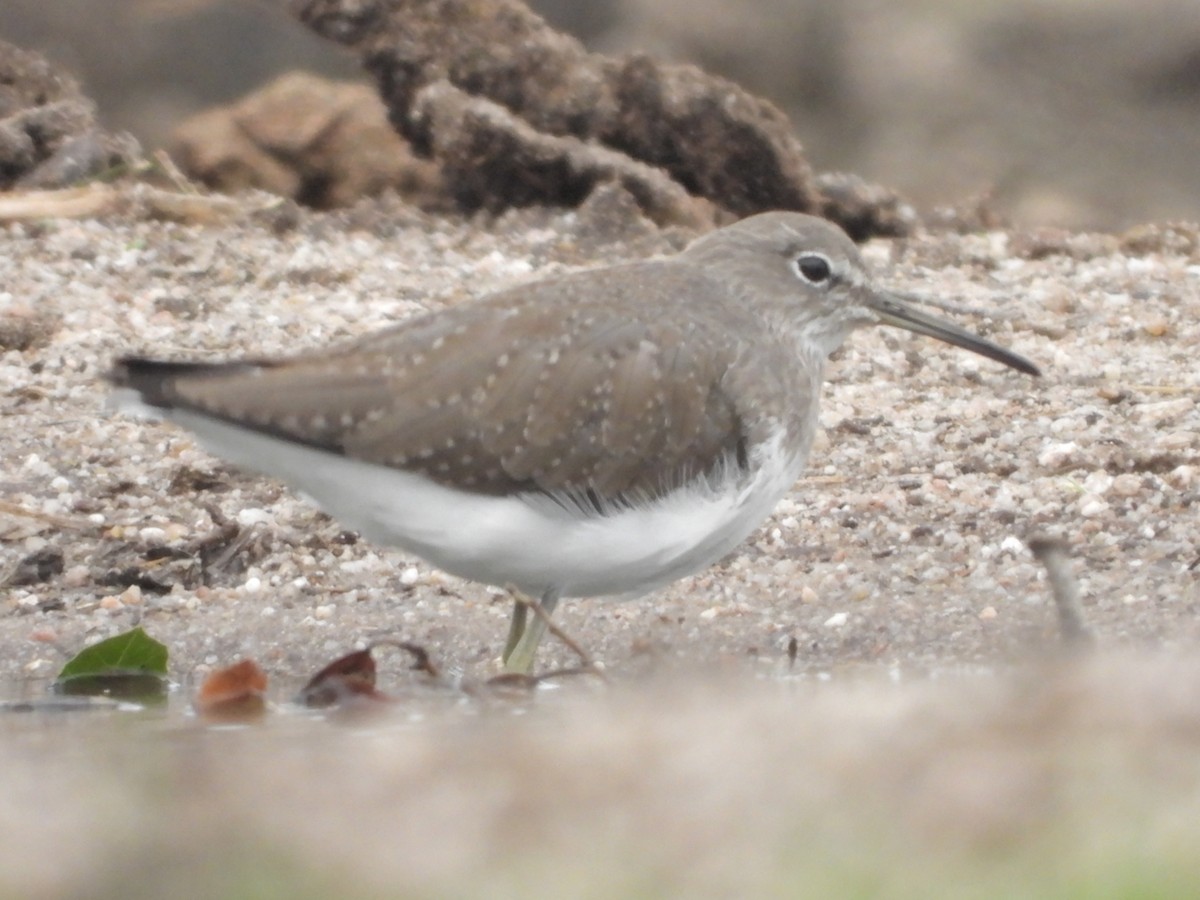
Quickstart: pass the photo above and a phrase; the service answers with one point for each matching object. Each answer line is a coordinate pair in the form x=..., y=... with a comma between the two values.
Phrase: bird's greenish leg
x=516, y=627
x=525, y=632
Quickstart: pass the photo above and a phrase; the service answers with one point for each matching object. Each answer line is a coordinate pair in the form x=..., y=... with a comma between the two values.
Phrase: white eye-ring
x=815, y=268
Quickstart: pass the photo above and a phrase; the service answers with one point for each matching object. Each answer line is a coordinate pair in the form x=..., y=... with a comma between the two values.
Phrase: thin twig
x=422, y=661
x=16, y=509
x=66, y=203
x=1052, y=553
x=172, y=172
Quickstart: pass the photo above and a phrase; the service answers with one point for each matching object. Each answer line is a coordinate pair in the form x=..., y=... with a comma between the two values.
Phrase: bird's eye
x=814, y=268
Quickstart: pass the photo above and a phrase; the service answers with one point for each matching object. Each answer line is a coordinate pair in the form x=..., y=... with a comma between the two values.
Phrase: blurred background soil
x=1064, y=113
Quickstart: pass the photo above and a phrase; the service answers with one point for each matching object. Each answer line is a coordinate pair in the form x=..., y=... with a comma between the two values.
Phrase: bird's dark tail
x=154, y=380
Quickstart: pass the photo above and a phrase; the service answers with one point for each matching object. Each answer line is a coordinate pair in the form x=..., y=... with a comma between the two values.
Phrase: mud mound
x=48, y=131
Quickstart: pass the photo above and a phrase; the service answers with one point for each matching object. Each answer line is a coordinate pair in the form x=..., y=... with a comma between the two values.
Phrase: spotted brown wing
x=541, y=388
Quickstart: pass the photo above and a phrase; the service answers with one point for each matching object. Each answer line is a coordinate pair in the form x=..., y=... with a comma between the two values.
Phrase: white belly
x=526, y=541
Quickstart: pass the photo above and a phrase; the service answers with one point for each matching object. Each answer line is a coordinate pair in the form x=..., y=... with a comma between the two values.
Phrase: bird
x=599, y=433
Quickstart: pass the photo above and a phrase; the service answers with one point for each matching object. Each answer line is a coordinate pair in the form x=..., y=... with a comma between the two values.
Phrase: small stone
x=253, y=516
x=988, y=612
x=837, y=620
x=1177, y=440
x=175, y=532
x=409, y=576
x=1163, y=411
x=1183, y=477
x=1012, y=544
x=76, y=576
x=1057, y=456
x=1156, y=326
x=1127, y=485
x=1060, y=300
x=1098, y=483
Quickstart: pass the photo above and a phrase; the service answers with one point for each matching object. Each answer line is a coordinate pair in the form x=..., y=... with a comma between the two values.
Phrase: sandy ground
x=898, y=557
x=902, y=547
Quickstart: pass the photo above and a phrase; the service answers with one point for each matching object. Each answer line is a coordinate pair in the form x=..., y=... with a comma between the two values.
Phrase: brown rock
x=320, y=142
x=493, y=160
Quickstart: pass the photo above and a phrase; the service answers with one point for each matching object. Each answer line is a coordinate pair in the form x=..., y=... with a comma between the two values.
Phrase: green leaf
x=144, y=688
x=134, y=651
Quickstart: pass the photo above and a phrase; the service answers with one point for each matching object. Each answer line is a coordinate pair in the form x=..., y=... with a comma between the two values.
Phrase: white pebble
x=409, y=576
x=1012, y=544
x=1183, y=477
x=837, y=620
x=253, y=516
x=252, y=585
x=1056, y=456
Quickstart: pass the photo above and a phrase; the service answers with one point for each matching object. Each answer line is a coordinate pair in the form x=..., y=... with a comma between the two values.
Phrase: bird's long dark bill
x=892, y=310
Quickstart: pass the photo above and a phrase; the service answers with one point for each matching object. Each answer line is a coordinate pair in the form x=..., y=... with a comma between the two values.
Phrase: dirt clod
x=48, y=132
x=455, y=88
x=320, y=142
